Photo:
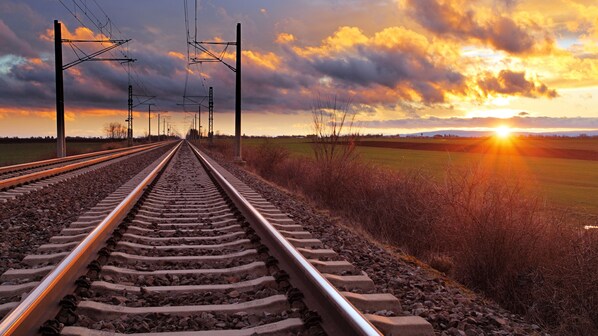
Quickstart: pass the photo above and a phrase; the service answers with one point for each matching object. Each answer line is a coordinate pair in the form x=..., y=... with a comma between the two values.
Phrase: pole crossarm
x=193, y=101
x=144, y=101
x=92, y=56
x=218, y=43
x=95, y=41
x=191, y=104
x=211, y=57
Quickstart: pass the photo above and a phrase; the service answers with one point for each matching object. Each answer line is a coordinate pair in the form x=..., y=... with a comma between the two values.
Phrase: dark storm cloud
x=514, y=83
x=19, y=27
x=458, y=19
x=400, y=67
x=11, y=44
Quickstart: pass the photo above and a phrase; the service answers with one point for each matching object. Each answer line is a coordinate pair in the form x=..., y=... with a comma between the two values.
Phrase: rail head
x=41, y=303
x=348, y=320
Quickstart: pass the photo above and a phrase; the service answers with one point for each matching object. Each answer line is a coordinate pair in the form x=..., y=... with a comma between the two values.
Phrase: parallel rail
x=36, y=164
x=338, y=315
x=40, y=305
x=104, y=156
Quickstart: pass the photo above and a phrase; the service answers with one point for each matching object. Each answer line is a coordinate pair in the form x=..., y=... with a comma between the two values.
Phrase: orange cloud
x=284, y=38
x=23, y=112
x=344, y=38
x=268, y=60
x=81, y=33
x=176, y=54
x=69, y=115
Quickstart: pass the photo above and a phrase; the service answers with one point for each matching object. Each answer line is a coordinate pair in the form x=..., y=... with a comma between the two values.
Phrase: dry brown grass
x=486, y=231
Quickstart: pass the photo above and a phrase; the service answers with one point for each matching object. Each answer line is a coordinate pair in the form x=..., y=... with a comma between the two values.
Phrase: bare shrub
x=222, y=146
x=267, y=156
x=441, y=262
x=565, y=298
x=494, y=233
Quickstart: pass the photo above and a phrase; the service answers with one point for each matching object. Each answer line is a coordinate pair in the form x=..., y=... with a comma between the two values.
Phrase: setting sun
x=503, y=132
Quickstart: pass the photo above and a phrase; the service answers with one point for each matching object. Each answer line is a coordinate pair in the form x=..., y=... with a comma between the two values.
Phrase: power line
x=108, y=28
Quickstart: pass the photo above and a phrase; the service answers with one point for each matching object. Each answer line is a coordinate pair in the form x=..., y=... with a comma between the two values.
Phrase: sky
x=401, y=66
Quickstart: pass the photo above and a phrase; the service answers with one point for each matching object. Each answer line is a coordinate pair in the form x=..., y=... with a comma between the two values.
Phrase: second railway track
x=21, y=176
x=190, y=255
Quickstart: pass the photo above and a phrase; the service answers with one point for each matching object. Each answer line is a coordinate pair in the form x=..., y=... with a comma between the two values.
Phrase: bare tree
x=333, y=145
x=115, y=130
x=333, y=128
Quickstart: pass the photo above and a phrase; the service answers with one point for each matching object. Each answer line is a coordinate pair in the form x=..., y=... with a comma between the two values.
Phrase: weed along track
x=192, y=249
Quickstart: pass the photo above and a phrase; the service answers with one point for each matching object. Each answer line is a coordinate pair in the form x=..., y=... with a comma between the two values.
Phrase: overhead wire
x=108, y=29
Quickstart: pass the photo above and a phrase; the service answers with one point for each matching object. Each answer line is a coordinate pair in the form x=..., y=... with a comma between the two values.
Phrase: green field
x=566, y=182
x=15, y=153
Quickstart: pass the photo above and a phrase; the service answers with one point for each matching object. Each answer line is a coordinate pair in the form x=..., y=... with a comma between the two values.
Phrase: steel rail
x=36, y=164
x=17, y=180
x=347, y=319
x=42, y=302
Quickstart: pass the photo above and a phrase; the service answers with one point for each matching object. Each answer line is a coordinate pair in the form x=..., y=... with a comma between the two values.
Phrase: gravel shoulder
x=31, y=220
x=448, y=306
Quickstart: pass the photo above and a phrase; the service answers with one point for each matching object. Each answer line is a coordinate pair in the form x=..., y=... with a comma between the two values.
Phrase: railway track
x=24, y=178
x=185, y=248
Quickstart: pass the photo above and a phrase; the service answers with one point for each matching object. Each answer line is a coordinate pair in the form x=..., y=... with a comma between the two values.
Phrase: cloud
x=283, y=38
x=384, y=68
x=12, y=44
x=514, y=84
x=395, y=58
x=177, y=54
x=514, y=122
x=462, y=19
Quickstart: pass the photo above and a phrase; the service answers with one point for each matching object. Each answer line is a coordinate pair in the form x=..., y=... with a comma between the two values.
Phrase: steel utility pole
x=238, y=98
x=131, y=107
x=130, y=118
x=211, y=115
x=59, y=68
x=60, y=137
x=198, y=122
x=149, y=122
x=159, y=127
x=209, y=56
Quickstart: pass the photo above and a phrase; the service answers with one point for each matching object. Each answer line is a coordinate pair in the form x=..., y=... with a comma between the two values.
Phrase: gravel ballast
x=30, y=220
x=449, y=307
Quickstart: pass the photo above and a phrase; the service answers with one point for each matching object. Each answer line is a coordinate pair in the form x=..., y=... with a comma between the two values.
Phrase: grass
x=15, y=153
x=566, y=182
